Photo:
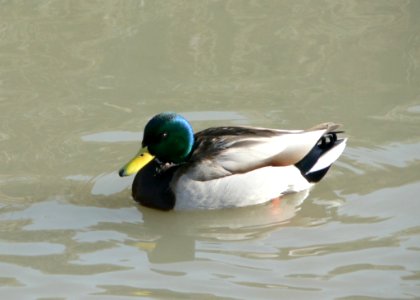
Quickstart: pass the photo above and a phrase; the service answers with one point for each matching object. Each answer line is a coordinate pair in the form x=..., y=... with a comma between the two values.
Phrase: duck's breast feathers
x=231, y=150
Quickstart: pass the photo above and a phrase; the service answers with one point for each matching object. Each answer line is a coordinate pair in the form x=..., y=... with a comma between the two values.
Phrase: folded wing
x=233, y=150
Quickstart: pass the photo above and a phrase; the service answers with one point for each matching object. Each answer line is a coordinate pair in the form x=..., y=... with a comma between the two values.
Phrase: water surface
x=78, y=81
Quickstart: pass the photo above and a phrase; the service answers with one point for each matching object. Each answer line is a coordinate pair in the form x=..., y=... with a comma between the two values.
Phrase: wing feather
x=232, y=150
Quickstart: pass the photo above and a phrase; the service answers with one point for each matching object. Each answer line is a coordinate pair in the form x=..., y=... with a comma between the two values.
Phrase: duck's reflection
x=172, y=236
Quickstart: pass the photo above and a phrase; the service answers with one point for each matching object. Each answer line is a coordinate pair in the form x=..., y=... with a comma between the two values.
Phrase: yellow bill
x=139, y=161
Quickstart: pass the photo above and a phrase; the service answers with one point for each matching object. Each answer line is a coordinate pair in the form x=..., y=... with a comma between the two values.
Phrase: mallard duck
x=231, y=166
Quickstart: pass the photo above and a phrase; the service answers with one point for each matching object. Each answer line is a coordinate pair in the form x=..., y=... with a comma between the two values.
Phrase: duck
x=227, y=166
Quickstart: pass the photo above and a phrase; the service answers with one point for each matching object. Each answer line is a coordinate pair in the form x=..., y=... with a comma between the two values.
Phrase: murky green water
x=78, y=81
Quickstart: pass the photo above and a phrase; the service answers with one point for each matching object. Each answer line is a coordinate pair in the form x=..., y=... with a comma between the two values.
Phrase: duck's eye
x=156, y=139
x=161, y=137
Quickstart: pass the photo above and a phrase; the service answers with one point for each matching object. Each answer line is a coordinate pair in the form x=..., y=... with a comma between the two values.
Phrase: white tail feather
x=328, y=157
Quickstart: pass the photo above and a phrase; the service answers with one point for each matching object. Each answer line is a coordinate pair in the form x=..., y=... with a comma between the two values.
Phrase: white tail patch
x=329, y=157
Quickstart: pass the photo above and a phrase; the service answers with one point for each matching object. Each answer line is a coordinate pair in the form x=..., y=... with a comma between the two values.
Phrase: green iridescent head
x=168, y=137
